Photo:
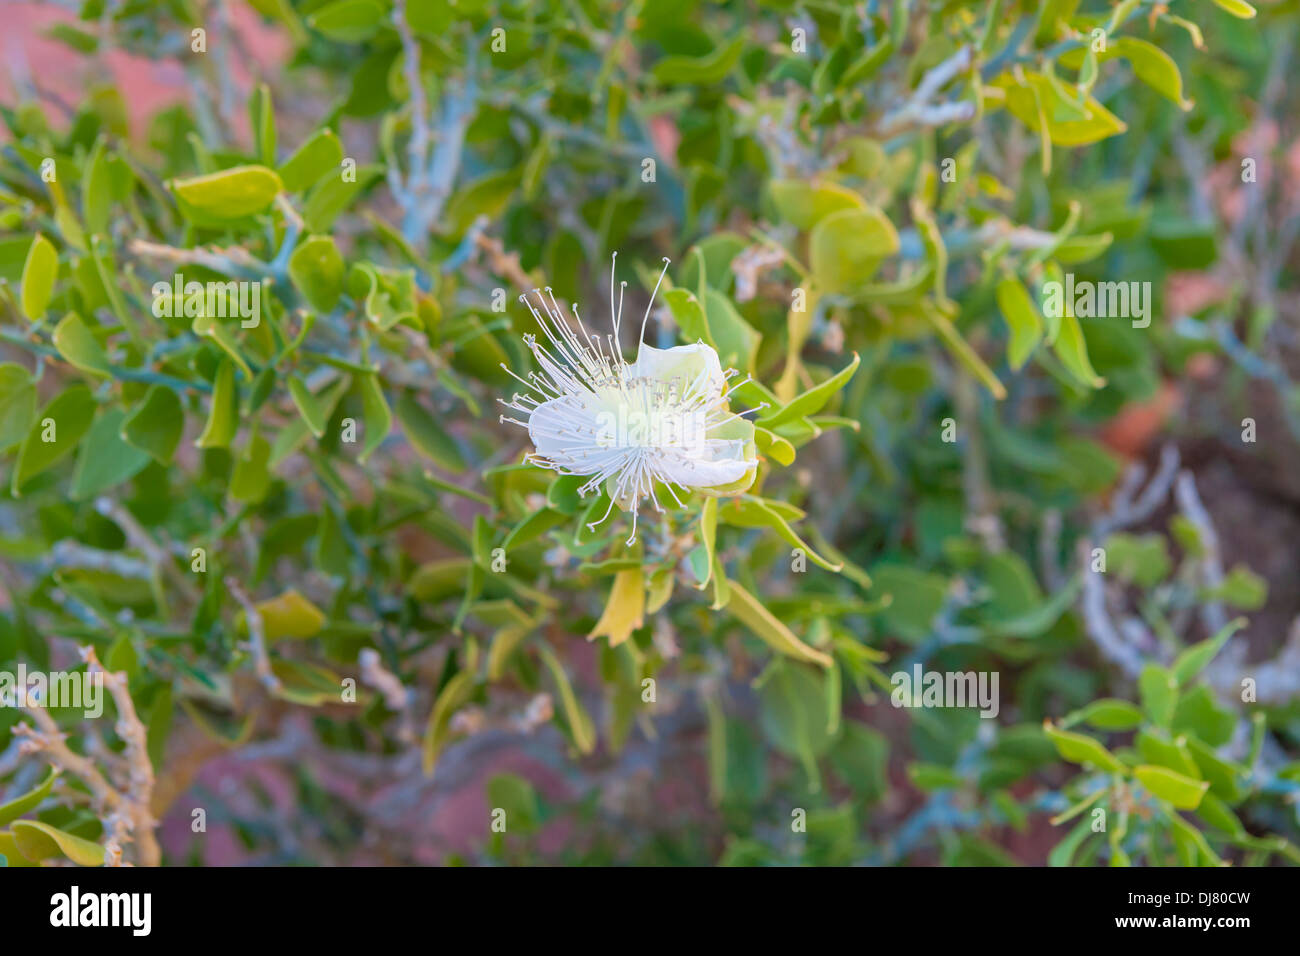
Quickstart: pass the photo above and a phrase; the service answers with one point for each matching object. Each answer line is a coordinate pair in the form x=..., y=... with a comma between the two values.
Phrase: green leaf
x=1219, y=815
x=1192, y=661
x=106, y=460
x=774, y=446
x=320, y=154
x=1082, y=749
x=16, y=807
x=65, y=419
x=227, y=195
x=1040, y=102
x=426, y=435
x=223, y=415
x=96, y=189
x=333, y=194
x=930, y=776
x=17, y=403
x=316, y=270
x=261, y=115
x=1143, y=559
x=378, y=417
x=736, y=340
x=76, y=343
x=516, y=796
x=962, y=349
x=860, y=757
x=1227, y=780
x=1199, y=713
x=312, y=409
x=1241, y=588
x=283, y=12
x=1159, y=691
x=1153, y=66
x=348, y=21
x=156, y=425
x=916, y=597
x=40, y=841
x=1072, y=350
x=251, y=478
x=793, y=715
x=699, y=71
x=536, y=524
x=1183, y=792
x=814, y=400
x=431, y=18
x=39, y=272
x=10, y=853
x=1064, y=851
x=752, y=512
x=846, y=248
x=1023, y=318
x=1108, y=714
x=688, y=313
x=805, y=204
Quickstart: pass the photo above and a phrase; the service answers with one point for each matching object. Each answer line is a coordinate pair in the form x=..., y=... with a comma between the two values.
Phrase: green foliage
x=285, y=490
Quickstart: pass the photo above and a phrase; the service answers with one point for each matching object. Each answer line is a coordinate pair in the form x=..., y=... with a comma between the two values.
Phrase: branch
x=256, y=644
x=918, y=111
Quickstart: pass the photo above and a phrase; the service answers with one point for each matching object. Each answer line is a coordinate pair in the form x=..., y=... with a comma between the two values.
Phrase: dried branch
x=256, y=643
x=919, y=111
x=124, y=809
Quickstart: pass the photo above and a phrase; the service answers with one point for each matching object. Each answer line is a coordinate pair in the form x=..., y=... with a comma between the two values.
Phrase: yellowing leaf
x=1040, y=102
x=625, y=610
x=454, y=694
x=40, y=841
x=39, y=271
x=580, y=725
x=846, y=247
x=805, y=204
x=771, y=631
x=290, y=615
x=1183, y=792
x=1238, y=8
x=229, y=194
x=1082, y=749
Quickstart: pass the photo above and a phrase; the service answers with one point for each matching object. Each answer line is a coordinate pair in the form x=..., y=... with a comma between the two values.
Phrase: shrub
x=257, y=466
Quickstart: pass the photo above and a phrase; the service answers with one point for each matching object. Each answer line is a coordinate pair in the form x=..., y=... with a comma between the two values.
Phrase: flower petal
x=684, y=362
x=553, y=426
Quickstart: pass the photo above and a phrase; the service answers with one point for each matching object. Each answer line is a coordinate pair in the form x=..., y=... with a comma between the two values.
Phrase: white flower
x=660, y=423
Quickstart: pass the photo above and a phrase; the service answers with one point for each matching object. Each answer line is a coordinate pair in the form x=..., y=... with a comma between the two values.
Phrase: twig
x=158, y=557
x=231, y=261
x=1213, y=615
x=918, y=111
x=140, y=770
x=1128, y=507
x=256, y=643
x=431, y=172
x=397, y=697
